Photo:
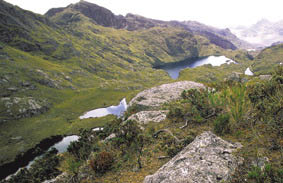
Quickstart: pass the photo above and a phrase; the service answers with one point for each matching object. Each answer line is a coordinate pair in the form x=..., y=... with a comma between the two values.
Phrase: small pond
x=115, y=110
x=61, y=146
x=173, y=69
x=248, y=72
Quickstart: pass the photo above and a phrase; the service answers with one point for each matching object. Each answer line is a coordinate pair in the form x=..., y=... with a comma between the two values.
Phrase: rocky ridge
x=150, y=100
x=102, y=16
x=156, y=96
x=207, y=159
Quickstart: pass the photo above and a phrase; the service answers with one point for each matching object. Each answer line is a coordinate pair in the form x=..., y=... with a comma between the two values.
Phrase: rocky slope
x=207, y=159
x=150, y=101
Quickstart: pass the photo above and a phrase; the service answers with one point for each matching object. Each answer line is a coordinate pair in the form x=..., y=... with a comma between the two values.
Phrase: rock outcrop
x=149, y=101
x=207, y=159
x=16, y=107
x=156, y=96
x=145, y=117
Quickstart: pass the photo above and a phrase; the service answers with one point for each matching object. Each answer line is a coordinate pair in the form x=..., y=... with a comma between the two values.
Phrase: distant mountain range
x=102, y=16
x=263, y=33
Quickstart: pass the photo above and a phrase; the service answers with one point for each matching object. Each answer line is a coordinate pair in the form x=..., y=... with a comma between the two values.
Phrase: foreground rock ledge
x=207, y=159
x=156, y=96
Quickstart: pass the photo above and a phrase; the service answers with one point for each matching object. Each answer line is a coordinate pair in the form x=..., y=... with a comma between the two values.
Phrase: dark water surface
x=173, y=69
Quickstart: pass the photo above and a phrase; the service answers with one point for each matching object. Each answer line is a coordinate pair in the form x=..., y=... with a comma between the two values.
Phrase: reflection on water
x=174, y=69
x=61, y=147
x=248, y=72
x=115, y=110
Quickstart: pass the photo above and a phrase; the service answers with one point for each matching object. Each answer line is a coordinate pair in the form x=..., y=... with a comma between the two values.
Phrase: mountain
x=264, y=33
x=268, y=59
x=101, y=16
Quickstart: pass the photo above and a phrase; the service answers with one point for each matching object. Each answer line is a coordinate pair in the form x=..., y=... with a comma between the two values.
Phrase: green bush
x=268, y=175
x=267, y=100
x=195, y=107
x=221, y=124
x=102, y=162
x=82, y=148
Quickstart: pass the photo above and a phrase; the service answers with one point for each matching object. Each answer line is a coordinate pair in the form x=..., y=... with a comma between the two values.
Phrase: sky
x=218, y=13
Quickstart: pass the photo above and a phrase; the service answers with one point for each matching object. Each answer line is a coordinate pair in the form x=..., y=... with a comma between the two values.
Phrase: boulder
x=265, y=77
x=25, y=84
x=235, y=76
x=144, y=117
x=156, y=96
x=207, y=159
x=46, y=80
x=16, y=107
x=12, y=89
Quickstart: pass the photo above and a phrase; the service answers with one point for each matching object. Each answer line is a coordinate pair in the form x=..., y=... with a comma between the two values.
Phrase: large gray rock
x=207, y=159
x=156, y=96
x=265, y=77
x=144, y=117
x=46, y=80
x=16, y=107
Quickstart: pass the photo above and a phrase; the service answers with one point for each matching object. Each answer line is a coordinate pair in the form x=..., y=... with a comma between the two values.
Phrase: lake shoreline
x=23, y=159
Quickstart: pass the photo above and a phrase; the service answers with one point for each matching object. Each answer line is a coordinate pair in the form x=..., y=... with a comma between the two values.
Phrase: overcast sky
x=219, y=13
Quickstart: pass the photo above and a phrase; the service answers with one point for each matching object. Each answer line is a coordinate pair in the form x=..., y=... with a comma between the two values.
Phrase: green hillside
x=268, y=59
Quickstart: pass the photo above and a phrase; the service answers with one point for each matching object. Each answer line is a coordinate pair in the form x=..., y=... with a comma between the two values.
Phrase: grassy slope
x=268, y=59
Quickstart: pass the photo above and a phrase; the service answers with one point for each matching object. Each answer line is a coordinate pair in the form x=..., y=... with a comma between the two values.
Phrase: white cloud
x=220, y=13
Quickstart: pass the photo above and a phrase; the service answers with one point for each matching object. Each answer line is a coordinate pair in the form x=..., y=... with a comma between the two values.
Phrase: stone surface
x=265, y=77
x=111, y=136
x=159, y=95
x=64, y=177
x=16, y=107
x=46, y=80
x=207, y=159
x=145, y=117
x=235, y=76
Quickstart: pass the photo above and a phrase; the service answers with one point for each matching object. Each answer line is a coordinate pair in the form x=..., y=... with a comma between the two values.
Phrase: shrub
x=268, y=174
x=82, y=148
x=127, y=134
x=266, y=98
x=221, y=124
x=199, y=99
x=102, y=162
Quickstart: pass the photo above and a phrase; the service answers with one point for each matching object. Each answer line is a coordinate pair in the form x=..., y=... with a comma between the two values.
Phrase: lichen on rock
x=17, y=107
x=144, y=117
x=159, y=95
x=150, y=101
x=207, y=159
